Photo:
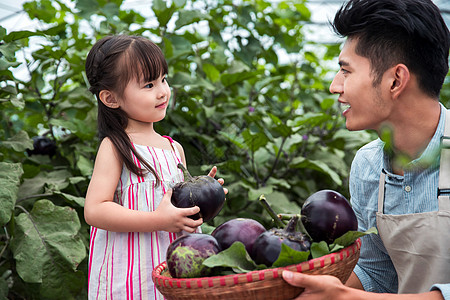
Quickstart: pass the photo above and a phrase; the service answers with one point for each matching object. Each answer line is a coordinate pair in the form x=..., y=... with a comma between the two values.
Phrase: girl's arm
x=102, y=212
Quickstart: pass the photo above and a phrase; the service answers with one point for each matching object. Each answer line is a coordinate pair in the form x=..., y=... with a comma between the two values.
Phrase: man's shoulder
x=372, y=148
x=368, y=160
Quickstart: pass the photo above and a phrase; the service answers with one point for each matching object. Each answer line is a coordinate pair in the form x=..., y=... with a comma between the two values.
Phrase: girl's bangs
x=151, y=63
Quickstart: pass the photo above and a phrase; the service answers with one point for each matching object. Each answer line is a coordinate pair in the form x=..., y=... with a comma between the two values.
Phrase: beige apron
x=419, y=244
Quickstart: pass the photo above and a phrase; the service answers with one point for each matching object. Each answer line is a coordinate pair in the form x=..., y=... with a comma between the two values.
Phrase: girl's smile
x=163, y=105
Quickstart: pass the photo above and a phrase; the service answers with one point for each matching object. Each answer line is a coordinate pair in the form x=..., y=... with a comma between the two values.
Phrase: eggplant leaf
x=235, y=257
x=351, y=236
x=289, y=256
x=319, y=249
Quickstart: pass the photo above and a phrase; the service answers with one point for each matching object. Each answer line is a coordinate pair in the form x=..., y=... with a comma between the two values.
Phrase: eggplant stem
x=185, y=171
x=287, y=217
x=278, y=222
x=291, y=226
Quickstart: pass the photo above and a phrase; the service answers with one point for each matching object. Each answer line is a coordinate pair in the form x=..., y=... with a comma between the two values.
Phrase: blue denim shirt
x=414, y=192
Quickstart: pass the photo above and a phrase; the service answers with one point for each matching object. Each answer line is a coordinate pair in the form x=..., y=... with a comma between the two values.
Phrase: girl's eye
x=149, y=85
x=165, y=80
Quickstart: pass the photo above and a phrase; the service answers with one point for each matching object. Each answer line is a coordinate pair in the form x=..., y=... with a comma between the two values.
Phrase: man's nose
x=336, y=86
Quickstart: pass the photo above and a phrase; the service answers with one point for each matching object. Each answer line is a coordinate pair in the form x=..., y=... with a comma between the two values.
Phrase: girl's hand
x=212, y=173
x=174, y=219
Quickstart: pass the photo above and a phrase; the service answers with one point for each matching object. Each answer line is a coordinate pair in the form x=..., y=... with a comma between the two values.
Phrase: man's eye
x=344, y=71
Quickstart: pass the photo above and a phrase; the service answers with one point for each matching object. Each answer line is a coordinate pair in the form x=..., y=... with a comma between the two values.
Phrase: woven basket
x=262, y=284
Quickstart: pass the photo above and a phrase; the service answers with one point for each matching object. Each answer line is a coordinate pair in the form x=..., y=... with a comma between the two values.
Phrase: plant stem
x=292, y=225
x=287, y=217
x=272, y=213
x=185, y=171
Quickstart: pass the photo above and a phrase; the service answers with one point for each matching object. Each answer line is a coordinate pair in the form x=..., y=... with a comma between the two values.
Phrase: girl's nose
x=162, y=91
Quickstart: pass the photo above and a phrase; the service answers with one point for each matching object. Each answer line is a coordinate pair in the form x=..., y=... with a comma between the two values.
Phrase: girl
x=132, y=224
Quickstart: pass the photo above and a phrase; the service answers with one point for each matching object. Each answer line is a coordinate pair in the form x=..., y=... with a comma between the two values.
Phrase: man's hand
x=323, y=287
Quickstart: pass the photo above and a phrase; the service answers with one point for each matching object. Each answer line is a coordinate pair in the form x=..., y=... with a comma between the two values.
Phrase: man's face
x=364, y=105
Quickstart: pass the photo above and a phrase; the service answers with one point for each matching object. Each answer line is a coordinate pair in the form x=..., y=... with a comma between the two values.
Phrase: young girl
x=128, y=200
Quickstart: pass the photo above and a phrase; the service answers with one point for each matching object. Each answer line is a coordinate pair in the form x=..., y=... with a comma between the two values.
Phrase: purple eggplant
x=186, y=254
x=327, y=215
x=202, y=191
x=267, y=246
x=242, y=230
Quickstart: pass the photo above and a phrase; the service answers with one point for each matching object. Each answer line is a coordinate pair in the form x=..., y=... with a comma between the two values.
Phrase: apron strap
x=381, y=191
x=444, y=171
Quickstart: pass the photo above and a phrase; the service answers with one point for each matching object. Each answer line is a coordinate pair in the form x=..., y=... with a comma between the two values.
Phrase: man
x=393, y=65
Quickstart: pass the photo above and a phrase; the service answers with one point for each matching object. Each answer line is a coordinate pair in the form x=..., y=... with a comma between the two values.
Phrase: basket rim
x=257, y=275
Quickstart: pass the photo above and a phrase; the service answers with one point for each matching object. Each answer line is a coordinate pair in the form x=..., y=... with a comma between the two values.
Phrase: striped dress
x=121, y=263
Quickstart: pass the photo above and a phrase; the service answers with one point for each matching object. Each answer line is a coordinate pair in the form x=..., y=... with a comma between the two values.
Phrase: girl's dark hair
x=388, y=32
x=112, y=62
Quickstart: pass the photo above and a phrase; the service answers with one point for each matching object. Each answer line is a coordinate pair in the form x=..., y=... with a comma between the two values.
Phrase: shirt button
x=408, y=188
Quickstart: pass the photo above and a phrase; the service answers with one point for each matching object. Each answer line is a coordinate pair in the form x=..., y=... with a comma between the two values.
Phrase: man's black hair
x=389, y=32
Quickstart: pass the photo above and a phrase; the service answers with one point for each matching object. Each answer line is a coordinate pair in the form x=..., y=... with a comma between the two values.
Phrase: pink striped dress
x=121, y=263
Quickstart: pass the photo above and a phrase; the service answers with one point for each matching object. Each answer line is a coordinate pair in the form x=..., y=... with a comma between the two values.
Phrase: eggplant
x=42, y=145
x=241, y=230
x=202, y=191
x=186, y=254
x=327, y=215
x=267, y=246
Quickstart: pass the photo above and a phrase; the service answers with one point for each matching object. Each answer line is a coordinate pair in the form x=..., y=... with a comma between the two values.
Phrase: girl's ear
x=108, y=99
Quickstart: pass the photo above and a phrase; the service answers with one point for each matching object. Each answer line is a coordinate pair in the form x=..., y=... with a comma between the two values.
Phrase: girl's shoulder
x=173, y=142
x=176, y=145
x=108, y=150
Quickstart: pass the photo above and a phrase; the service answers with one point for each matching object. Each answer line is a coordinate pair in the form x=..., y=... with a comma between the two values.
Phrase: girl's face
x=365, y=105
x=146, y=102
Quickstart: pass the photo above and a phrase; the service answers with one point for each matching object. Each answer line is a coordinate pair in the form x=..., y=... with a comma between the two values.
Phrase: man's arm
x=353, y=282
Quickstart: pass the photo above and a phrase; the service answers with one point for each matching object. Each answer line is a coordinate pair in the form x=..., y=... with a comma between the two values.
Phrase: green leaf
x=281, y=203
x=19, y=142
x=45, y=182
x=3, y=289
x=46, y=243
x=235, y=257
x=207, y=229
x=85, y=165
x=72, y=199
x=61, y=283
x=319, y=249
x=255, y=193
x=17, y=35
x=301, y=162
x=351, y=236
x=230, y=79
x=211, y=72
x=254, y=140
x=187, y=17
x=162, y=12
x=289, y=256
x=2, y=32
x=10, y=174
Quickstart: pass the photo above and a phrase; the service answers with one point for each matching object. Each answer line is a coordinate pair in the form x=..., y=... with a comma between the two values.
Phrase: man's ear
x=108, y=99
x=400, y=79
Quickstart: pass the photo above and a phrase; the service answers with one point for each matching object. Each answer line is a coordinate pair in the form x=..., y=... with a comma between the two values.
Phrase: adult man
x=393, y=65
